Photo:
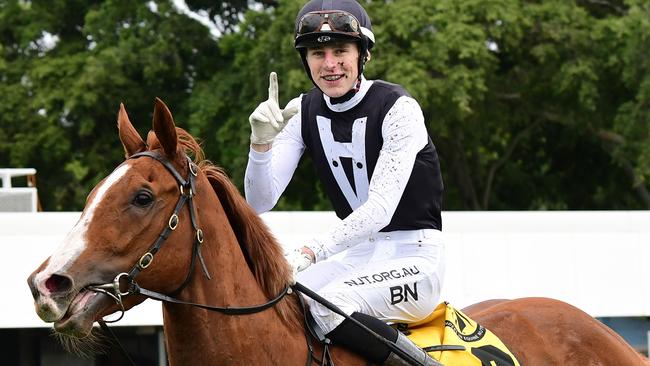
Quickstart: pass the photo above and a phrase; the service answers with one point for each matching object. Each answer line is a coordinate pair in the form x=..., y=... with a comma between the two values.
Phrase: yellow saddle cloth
x=468, y=343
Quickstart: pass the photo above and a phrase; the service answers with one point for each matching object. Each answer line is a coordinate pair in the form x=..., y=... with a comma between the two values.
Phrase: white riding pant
x=394, y=276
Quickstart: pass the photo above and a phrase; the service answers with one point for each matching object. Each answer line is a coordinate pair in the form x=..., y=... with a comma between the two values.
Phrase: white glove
x=298, y=261
x=267, y=120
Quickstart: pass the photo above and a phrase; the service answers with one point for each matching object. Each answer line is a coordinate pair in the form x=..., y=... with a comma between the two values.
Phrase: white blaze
x=75, y=242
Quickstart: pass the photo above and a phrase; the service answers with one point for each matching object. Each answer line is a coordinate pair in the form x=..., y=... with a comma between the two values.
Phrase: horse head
x=124, y=214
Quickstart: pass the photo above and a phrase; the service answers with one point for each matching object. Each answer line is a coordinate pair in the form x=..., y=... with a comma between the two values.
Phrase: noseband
x=187, y=191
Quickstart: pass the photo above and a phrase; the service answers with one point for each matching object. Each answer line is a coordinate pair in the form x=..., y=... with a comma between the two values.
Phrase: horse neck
x=195, y=336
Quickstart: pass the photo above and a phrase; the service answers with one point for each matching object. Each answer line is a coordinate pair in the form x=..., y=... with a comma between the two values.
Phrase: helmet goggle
x=334, y=21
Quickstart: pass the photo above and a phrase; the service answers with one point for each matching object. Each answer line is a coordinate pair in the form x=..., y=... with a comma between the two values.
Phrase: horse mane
x=262, y=251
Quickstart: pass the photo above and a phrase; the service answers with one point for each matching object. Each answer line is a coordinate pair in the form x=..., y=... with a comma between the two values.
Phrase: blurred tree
x=527, y=101
x=532, y=105
x=66, y=66
x=226, y=15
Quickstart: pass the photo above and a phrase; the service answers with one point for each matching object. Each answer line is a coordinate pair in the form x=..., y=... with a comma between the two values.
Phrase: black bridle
x=127, y=279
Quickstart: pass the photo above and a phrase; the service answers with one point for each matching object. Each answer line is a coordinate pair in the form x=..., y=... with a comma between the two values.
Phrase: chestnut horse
x=218, y=252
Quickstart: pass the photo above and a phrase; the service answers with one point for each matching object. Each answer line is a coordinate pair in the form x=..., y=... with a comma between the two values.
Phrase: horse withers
x=178, y=227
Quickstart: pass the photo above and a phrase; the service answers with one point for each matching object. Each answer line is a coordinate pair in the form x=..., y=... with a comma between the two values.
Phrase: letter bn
x=401, y=294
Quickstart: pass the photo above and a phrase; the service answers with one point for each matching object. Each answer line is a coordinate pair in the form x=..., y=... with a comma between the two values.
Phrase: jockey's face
x=334, y=67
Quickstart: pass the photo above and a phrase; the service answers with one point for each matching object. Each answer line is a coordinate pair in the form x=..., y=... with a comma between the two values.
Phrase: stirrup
x=413, y=350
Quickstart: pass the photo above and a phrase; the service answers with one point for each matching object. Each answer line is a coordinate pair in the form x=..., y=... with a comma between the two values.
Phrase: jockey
x=380, y=170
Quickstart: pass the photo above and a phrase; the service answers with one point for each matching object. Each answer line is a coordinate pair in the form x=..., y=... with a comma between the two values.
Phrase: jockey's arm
x=271, y=166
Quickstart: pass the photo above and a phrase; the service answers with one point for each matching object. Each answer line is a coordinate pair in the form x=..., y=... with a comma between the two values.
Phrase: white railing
x=17, y=199
x=595, y=260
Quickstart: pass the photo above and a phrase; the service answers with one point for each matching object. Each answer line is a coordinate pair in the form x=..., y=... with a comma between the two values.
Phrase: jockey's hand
x=300, y=259
x=267, y=120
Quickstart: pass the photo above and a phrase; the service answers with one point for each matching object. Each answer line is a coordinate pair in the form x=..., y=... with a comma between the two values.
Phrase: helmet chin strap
x=357, y=85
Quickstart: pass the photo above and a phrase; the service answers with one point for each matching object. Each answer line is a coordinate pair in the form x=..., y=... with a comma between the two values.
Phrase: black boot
x=352, y=337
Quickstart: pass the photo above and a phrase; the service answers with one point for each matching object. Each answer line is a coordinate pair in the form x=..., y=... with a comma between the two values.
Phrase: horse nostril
x=58, y=284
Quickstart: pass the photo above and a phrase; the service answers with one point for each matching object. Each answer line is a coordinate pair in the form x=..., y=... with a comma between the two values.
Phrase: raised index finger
x=273, y=87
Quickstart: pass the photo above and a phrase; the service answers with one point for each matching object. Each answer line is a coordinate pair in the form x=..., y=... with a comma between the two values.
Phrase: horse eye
x=143, y=199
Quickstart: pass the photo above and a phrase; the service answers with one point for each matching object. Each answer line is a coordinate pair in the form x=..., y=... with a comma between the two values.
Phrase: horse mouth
x=82, y=313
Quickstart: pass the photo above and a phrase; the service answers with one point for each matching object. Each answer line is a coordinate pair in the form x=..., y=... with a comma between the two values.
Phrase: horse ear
x=130, y=138
x=163, y=126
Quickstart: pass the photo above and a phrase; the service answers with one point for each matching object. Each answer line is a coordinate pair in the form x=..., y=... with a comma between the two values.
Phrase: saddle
x=450, y=337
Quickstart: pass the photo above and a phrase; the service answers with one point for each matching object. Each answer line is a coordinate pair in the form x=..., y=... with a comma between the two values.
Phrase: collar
x=352, y=102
